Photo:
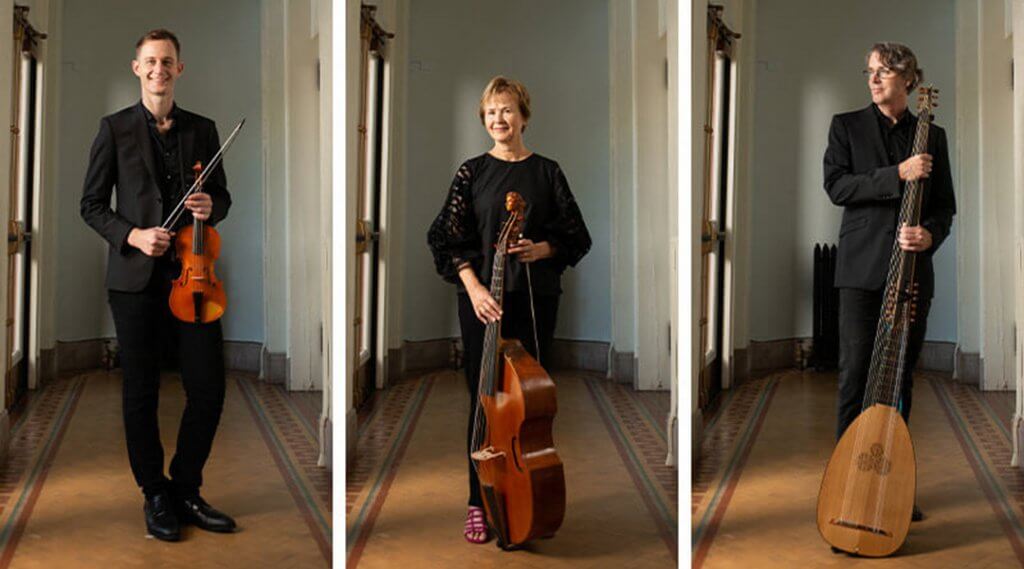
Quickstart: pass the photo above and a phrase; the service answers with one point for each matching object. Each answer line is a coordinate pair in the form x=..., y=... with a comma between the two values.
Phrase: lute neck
x=889, y=357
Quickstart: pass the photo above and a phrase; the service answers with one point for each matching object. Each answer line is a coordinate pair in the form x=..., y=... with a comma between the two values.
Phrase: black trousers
x=144, y=327
x=515, y=323
x=858, y=321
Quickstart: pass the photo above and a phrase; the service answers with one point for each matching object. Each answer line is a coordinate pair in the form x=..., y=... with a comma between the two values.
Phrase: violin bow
x=201, y=178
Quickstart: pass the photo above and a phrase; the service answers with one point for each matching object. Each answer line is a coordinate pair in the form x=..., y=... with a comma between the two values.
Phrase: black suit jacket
x=860, y=177
x=122, y=158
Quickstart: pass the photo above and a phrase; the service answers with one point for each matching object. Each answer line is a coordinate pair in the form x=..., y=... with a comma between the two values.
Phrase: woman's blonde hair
x=500, y=85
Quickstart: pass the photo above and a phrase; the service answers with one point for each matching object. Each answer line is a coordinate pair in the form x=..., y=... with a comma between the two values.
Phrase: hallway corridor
x=764, y=451
x=69, y=500
x=406, y=494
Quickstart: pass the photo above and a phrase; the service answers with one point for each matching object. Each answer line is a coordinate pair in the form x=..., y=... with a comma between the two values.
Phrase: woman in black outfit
x=463, y=236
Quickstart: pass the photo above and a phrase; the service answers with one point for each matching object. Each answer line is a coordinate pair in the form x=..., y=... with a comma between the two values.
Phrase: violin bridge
x=486, y=454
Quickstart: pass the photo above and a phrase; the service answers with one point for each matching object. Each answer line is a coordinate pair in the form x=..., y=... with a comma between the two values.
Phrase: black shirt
x=170, y=178
x=466, y=229
x=170, y=171
x=898, y=137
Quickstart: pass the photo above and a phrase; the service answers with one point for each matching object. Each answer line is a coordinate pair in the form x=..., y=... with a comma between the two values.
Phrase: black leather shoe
x=917, y=515
x=194, y=510
x=161, y=522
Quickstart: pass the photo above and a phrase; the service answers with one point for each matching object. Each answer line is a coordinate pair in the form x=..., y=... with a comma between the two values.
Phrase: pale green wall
x=221, y=51
x=559, y=50
x=802, y=79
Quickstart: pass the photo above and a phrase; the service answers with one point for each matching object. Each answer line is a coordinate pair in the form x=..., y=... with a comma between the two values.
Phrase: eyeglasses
x=882, y=72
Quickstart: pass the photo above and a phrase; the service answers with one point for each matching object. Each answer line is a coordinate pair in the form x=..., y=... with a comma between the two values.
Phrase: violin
x=197, y=295
x=521, y=476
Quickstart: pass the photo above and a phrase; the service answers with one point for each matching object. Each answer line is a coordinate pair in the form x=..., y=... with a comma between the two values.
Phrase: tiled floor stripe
x=362, y=524
x=663, y=513
x=274, y=427
x=704, y=531
x=953, y=403
x=45, y=423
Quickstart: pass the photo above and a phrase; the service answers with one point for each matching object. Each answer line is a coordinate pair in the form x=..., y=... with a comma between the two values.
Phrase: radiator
x=825, y=348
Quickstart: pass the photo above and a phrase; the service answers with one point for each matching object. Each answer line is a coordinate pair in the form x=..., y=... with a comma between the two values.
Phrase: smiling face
x=157, y=67
x=503, y=119
x=888, y=87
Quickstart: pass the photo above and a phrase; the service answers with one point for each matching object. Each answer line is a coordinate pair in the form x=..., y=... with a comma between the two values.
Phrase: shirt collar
x=905, y=119
x=174, y=115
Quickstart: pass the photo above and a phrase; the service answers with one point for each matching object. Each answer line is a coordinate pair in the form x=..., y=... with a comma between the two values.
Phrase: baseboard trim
x=47, y=366
x=969, y=367
x=565, y=354
x=623, y=366
x=697, y=431
x=327, y=444
x=775, y=355
x=275, y=367
x=428, y=354
x=84, y=354
x=351, y=438
x=98, y=352
x=740, y=366
x=579, y=354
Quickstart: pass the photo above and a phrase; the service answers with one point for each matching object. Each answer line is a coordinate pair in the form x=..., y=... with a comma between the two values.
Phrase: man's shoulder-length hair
x=900, y=59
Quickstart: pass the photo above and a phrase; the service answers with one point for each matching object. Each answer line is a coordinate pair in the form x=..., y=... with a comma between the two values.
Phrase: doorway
x=372, y=166
x=718, y=185
x=23, y=195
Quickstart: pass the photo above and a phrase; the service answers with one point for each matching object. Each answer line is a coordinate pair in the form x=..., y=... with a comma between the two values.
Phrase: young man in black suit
x=146, y=152
x=867, y=165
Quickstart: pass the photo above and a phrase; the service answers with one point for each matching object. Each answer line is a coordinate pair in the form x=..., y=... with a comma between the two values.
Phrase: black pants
x=144, y=325
x=858, y=321
x=515, y=323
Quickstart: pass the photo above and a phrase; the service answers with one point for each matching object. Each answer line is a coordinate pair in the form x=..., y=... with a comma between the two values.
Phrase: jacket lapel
x=870, y=122
x=142, y=139
x=188, y=140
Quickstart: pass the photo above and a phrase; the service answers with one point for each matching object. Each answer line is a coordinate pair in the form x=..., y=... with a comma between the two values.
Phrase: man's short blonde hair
x=500, y=85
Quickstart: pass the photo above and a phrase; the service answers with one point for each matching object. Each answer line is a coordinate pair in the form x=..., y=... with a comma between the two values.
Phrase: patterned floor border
x=987, y=447
x=642, y=448
x=35, y=438
x=725, y=449
x=382, y=444
x=293, y=444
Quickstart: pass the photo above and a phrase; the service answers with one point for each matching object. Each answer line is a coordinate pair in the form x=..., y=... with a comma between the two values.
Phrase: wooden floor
x=755, y=490
x=68, y=498
x=406, y=493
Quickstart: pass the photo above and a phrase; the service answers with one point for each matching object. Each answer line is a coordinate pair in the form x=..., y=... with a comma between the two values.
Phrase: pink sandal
x=476, y=526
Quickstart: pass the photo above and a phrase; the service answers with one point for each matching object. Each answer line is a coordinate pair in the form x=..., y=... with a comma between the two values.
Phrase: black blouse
x=467, y=227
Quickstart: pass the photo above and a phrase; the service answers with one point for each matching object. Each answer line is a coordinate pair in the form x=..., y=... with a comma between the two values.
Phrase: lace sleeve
x=452, y=237
x=567, y=231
